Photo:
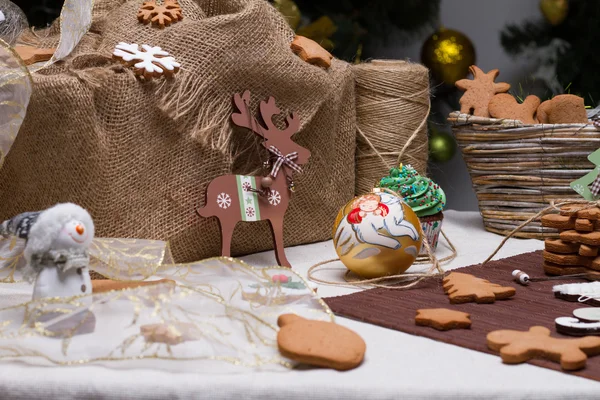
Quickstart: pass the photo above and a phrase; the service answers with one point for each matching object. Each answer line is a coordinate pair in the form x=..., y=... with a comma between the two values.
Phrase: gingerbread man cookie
x=443, y=319
x=320, y=343
x=479, y=91
x=466, y=288
x=504, y=105
x=516, y=347
x=563, y=109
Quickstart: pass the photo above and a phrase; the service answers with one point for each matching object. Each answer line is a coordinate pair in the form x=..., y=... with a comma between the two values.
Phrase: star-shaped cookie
x=311, y=52
x=443, y=319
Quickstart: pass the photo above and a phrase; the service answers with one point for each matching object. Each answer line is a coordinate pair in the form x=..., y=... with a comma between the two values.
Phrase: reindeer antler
x=268, y=109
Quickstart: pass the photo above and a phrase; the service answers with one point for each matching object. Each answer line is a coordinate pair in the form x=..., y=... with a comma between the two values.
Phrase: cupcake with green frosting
x=425, y=197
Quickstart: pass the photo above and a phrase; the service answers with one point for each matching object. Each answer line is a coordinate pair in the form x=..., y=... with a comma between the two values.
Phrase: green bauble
x=441, y=146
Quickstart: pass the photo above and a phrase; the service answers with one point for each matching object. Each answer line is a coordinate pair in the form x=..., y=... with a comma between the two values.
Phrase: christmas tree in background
x=349, y=29
x=562, y=46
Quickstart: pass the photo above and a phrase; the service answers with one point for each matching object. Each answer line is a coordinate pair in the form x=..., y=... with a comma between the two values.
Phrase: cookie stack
x=577, y=249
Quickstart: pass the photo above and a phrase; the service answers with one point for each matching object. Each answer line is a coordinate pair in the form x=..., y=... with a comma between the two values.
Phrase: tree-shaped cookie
x=504, y=105
x=479, y=91
x=160, y=15
x=466, y=288
x=517, y=347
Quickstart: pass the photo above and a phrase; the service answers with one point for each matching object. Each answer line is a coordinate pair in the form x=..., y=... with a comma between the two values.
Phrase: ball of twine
x=392, y=106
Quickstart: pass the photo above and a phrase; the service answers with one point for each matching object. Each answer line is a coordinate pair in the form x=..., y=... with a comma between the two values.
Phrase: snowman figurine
x=56, y=252
x=57, y=240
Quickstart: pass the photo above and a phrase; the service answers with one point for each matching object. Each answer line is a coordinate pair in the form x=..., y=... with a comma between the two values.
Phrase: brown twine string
x=393, y=279
x=585, y=205
x=392, y=106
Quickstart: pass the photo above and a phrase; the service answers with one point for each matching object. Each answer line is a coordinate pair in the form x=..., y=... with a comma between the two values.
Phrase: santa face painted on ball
x=377, y=234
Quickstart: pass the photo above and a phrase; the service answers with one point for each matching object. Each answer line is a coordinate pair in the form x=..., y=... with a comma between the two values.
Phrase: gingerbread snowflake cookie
x=160, y=15
x=149, y=62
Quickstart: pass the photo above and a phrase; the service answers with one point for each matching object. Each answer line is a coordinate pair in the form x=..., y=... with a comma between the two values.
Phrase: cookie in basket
x=479, y=91
x=563, y=109
x=505, y=106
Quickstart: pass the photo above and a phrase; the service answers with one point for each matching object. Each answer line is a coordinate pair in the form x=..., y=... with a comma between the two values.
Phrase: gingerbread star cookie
x=466, y=288
x=504, y=105
x=479, y=91
x=320, y=343
x=443, y=319
x=516, y=347
x=311, y=52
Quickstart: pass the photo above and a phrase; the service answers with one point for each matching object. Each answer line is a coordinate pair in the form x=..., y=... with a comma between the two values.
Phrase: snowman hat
x=49, y=223
x=19, y=225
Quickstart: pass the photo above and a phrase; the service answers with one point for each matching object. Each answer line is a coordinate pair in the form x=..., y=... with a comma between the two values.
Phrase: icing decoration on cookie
x=516, y=347
x=504, y=105
x=479, y=91
x=149, y=62
x=466, y=288
x=575, y=327
x=160, y=15
x=443, y=319
x=587, y=292
x=311, y=52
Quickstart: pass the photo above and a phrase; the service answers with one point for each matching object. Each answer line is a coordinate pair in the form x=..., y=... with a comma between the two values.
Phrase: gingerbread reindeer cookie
x=504, y=105
x=479, y=91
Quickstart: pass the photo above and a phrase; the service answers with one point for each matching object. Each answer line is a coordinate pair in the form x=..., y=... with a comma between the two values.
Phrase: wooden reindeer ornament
x=236, y=198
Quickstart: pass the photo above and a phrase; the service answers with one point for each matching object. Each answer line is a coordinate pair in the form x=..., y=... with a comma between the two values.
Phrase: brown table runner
x=532, y=305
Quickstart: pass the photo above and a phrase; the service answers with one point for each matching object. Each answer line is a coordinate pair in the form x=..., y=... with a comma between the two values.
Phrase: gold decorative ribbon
x=15, y=78
x=220, y=315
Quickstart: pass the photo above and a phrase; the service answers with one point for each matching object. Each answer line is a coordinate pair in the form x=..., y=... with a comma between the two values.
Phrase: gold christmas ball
x=377, y=234
x=448, y=54
x=555, y=11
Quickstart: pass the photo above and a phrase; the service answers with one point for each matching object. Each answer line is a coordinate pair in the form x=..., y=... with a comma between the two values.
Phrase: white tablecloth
x=397, y=365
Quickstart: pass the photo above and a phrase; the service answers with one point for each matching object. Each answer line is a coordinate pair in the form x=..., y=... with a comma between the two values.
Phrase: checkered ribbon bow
x=288, y=160
x=595, y=186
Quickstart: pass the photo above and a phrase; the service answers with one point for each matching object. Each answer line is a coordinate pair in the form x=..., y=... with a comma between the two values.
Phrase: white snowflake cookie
x=149, y=62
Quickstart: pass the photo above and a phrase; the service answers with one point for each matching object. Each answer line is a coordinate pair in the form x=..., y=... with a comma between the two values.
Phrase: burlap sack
x=139, y=155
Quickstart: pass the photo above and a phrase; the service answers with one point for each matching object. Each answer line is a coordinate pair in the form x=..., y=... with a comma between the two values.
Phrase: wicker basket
x=517, y=169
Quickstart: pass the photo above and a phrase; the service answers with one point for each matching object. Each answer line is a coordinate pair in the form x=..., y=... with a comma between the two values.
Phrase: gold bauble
x=448, y=54
x=555, y=11
x=377, y=234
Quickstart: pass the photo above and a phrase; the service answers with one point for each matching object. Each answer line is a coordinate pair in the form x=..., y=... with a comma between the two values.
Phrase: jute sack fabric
x=139, y=155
